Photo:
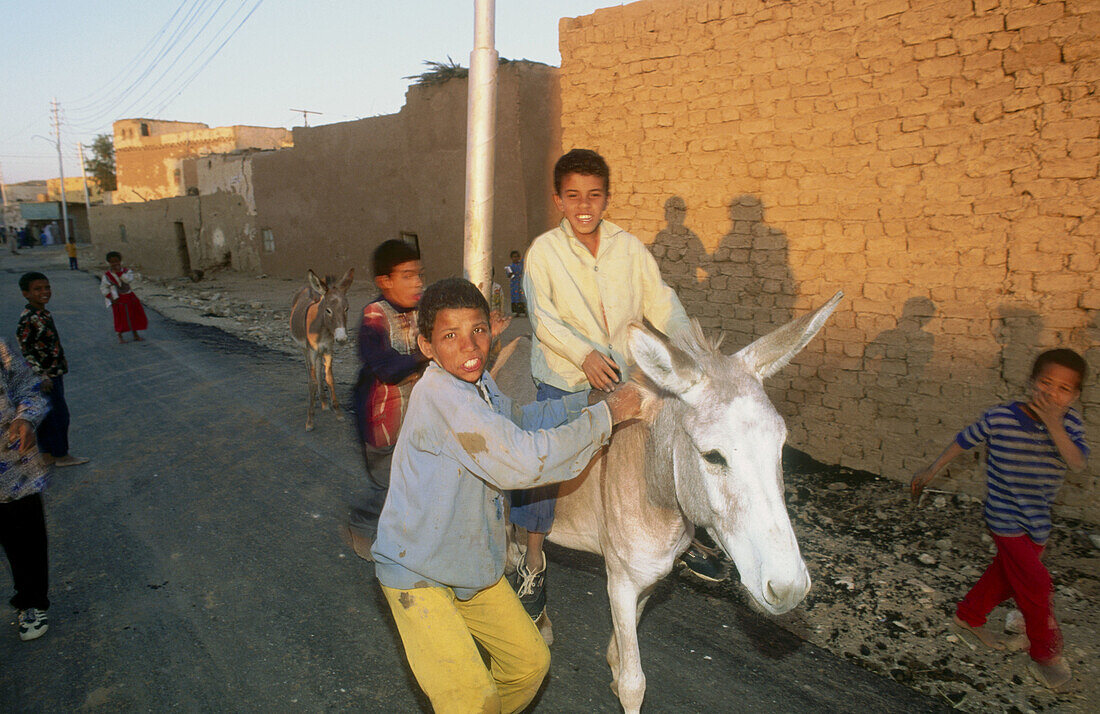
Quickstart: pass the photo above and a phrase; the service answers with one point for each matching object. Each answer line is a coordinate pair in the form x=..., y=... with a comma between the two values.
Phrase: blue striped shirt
x=1023, y=468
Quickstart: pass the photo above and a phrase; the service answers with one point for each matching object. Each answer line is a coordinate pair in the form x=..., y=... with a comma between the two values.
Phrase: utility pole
x=305, y=115
x=61, y=169
x=477, y=255
x=8, y=235
x=84, y=173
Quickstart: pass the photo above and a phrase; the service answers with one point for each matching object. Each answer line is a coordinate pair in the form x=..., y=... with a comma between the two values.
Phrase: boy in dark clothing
x=390, y=363
x=41, y=346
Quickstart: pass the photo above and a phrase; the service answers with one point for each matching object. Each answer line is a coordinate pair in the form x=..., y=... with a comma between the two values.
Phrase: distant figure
x=1029, y=446
x=128, y=313
x=47, y=235
x=514, y=271
x=41, y=346
x=70, y=248
x=22, y=479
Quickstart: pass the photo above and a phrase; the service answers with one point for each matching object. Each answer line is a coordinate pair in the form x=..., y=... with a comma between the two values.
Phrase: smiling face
x=38, y=293
x=1059, y=384
x=582, y=200
x=459, y=342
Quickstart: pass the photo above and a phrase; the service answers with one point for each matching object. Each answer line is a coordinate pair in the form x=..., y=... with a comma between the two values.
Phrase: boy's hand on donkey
x=625, y=402
x=21, y=433
x=601, y=371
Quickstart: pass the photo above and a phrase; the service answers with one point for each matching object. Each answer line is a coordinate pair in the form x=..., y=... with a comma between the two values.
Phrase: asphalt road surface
x=196, y=563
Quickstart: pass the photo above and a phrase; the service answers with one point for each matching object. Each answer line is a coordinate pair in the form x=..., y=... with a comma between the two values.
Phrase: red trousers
x=1018, y=573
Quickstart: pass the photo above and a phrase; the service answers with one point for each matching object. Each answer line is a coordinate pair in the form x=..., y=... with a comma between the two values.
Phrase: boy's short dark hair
x=391, y=254
x=113, y=254
x=1064, y=357
x=585, y=162
x=26, y=279
x=514, y=252
x=448, y=294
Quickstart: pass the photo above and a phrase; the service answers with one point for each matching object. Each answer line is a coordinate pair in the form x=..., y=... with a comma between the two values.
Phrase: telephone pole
x=84, y=173
x=55, y=108
x=477, y=251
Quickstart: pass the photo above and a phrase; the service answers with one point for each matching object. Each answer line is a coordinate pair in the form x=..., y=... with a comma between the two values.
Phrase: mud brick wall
x=936, y=160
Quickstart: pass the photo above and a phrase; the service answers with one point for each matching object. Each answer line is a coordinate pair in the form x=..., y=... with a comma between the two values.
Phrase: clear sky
x=117, y=59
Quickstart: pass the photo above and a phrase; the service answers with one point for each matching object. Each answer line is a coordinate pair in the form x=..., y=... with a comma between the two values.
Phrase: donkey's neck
x=659, y=474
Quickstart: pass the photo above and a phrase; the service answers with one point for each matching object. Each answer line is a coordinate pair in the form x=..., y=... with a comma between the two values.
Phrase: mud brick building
x=935, y=159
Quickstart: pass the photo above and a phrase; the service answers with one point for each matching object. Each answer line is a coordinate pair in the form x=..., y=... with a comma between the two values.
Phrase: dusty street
x=196, y=563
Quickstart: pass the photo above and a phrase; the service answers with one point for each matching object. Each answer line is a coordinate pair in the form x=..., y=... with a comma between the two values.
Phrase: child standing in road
x=22, y=479
x=441, y=539
x=514, y=271
x=41, y=346
x=390, y=364
x=1030, y=445
x=70, y=248
x=128, y=313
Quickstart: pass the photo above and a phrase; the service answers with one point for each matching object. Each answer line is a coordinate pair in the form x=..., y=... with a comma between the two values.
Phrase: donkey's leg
x=630, y=681
x=331, y=382
x=311, y=368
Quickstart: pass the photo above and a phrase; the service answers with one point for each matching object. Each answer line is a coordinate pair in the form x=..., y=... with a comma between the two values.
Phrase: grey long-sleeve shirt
x=443, y=522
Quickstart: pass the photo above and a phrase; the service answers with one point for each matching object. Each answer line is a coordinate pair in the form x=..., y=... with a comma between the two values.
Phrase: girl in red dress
x=126, y=308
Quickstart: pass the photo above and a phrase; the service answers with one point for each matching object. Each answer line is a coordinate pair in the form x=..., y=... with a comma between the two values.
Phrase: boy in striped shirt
x=1030, y=445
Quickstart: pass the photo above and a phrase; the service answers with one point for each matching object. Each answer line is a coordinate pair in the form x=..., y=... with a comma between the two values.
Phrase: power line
x=186, y=23
x=197, y=72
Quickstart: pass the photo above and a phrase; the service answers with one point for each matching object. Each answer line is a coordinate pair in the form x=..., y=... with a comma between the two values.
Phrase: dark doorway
x=181, y=249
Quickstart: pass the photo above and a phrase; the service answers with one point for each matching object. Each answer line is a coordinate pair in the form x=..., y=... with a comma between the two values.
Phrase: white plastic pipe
x=480, y=139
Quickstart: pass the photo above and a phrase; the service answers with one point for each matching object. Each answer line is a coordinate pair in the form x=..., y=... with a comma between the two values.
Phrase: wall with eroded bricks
x=935, y=159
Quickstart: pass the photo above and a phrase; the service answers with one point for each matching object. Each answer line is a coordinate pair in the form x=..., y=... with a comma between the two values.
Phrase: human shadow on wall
x=893, y=370
x=745, y=288
x=1017, y=330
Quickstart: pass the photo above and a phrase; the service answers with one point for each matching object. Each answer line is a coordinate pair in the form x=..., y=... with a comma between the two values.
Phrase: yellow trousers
x=439, y=632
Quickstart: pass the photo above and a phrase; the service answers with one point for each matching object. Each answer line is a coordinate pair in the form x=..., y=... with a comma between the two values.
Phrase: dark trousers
x=72, y=263
x=23, y=536
x=53, y=432
x=366, y=506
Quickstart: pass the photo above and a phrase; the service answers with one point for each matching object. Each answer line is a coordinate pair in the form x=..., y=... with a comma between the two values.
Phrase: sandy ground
x=886, y=573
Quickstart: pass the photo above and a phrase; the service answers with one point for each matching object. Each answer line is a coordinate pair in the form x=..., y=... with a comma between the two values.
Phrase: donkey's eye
x=713, y=457
x=328, y=310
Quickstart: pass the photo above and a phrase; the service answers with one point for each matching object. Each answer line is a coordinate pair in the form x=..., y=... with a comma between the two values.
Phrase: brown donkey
x=319, y=319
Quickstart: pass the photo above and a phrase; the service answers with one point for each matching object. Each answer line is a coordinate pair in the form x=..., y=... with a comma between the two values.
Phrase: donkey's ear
x=773, y=351
x=345, y=282
x=315, y=284
x=670, y=368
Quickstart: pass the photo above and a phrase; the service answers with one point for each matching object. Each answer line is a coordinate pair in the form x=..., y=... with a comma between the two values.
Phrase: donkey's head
x=722, y=439
x=332, y=311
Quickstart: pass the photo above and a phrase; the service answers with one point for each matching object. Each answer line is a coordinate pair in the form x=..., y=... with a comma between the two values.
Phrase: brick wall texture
x=935, y=159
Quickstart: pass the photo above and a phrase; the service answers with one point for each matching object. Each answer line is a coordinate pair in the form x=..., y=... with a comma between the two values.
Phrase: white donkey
x=706, y=452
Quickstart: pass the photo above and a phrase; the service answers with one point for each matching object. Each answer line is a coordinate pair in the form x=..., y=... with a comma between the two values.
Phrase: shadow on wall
x=745, y=287
x=1017, y=330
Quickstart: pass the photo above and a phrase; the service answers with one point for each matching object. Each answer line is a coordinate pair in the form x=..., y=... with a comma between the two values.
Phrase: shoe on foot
x=531, y=588
x=32, y=624
x=703, y=562
x=1054, y=674
x=359, y=542
x=70, y=460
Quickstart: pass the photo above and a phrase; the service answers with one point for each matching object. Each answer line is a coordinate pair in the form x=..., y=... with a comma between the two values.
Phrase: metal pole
x=480, y=136
x=84, y=173
x=61, y=169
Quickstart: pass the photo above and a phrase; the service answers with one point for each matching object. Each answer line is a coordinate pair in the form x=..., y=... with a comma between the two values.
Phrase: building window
x=412, y=239
x=269, y=240
x=122, y=232
x=144, y=129
x=176, y=177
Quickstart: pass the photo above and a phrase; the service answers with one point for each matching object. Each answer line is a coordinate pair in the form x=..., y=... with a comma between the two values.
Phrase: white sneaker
x=32, y=624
